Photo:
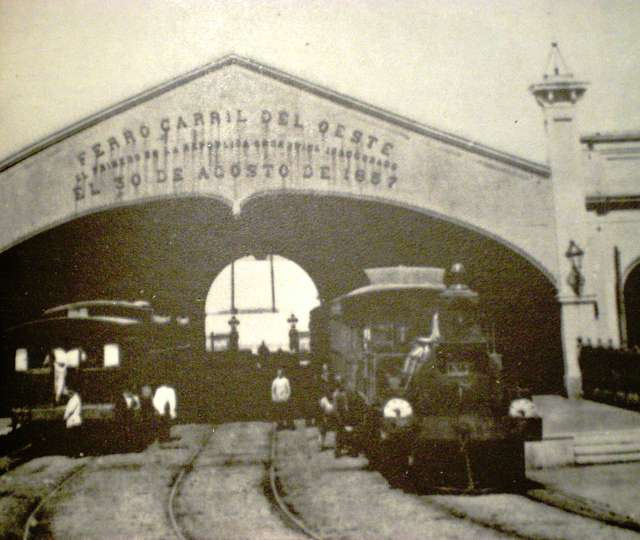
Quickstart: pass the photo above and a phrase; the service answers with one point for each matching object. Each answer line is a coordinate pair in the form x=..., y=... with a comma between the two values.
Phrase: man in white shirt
x=280, y=394
x=164, y=402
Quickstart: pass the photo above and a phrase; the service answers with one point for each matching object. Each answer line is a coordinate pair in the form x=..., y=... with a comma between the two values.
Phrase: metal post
x=233, y=287
x=273, y=285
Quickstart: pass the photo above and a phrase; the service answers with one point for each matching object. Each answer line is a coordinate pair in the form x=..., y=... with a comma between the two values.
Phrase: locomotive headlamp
x=398, y=410
x=523, y=408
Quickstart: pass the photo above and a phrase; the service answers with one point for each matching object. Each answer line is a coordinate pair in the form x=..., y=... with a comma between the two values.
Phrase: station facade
x=237, y=133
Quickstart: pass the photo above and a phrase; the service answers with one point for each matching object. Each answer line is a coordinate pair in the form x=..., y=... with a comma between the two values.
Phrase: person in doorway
x=73, y=421
x=263, y=353
x=280, y=395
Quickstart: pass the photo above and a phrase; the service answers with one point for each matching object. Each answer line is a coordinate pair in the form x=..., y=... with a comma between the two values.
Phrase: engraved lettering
x=144, y=131
x=356, y=136
x=235, y=170
x=113, y=143
x=198, y=119
x=268, y=168
x=214, y=118
x=181, y=123
x=129, y=137
x=119, y=183
x=265, y=116
x=177, y=174
x=203, y=175
x=218, y=171
x=386, y=148
x=325, y=172
x=323, y=126
x=372, y=141
x=283, y=170
x=252, y=170
x=161, y=176
x=97, y=150
x=307, y=172
x=240, y=118
x=283, y=118
x=339, y=131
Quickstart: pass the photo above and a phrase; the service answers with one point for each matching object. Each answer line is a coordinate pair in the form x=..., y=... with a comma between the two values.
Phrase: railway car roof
x=386, y=287
x=141, y=305
x=74, y=328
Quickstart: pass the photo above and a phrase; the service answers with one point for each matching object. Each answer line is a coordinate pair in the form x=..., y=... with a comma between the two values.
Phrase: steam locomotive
x=413, y=352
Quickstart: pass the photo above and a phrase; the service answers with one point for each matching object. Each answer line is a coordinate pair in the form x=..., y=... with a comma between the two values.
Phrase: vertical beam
x=233, y=287
x=273, y=284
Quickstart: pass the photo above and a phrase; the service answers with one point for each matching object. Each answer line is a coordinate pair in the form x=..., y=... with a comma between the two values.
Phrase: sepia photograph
x=319, y=269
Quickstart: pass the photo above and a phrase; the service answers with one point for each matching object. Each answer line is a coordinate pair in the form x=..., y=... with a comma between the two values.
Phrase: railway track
x=272, y=492
x=276, y=494
x=570, y=506
x=584, y=507
x=186, y=469
x=36, y=525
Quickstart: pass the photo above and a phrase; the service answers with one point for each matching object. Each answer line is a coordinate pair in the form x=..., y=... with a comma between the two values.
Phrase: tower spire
x=556, y=64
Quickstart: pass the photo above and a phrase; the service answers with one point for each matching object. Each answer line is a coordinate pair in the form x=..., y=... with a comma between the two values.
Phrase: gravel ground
x=224, y=497
x=125, y=495
x=342, y=499
x=22, y=488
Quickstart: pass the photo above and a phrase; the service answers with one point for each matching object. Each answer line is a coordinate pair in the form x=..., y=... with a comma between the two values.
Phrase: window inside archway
x=262, y=294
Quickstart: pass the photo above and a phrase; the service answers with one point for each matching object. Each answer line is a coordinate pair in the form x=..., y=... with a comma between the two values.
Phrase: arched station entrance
x=169, y=252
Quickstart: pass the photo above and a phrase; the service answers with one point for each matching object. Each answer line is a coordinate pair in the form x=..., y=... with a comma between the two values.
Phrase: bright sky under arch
x=295, y=292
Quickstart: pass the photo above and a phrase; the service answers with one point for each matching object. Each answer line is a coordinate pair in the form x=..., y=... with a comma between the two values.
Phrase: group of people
x=337, y=409
x=138, y=418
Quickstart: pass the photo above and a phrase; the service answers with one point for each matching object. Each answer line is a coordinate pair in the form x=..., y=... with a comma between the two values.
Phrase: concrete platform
x=583, y=432
x=564, y=417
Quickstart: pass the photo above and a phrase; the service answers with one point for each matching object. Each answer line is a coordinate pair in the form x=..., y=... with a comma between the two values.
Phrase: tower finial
x=556, y=65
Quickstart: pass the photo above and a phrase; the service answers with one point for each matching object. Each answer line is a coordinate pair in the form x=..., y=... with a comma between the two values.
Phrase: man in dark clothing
x=349, y=415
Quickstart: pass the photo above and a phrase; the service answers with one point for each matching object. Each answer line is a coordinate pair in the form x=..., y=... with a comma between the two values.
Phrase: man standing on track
x=280, y=394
